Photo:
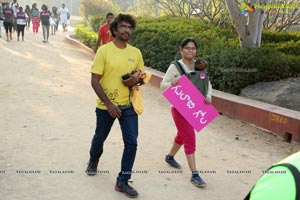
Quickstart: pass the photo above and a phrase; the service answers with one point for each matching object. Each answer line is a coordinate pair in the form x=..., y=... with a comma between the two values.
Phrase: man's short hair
x=109, y=14
x=122, y=18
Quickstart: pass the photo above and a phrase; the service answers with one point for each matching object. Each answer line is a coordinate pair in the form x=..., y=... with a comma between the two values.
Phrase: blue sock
x=195, y=174
x=170, y=157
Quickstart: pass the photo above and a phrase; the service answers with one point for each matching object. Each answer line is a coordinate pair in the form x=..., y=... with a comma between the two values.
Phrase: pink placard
x=186, y=98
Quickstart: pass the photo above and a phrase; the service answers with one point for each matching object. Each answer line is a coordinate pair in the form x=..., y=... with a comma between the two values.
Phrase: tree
x=248, y=21
x=143, y=8
x=208, y=11
x=90, y=8
x=282, y=15
x=174, y=7
x=212, y=11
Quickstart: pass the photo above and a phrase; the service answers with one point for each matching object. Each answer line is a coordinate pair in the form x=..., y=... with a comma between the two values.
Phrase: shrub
x=275, y=37
x=159, y=38
x=87, y=37
x=96, y=21
x=293, y=63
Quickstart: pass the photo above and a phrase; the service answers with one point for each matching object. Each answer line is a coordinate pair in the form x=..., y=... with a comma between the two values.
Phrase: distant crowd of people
x=15, y=19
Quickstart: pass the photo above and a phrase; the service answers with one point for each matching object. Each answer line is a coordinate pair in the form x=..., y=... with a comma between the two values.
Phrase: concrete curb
x=283, y=122
x=78, y=43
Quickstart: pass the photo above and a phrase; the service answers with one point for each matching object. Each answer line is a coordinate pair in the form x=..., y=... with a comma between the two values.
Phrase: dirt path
x=47, y=122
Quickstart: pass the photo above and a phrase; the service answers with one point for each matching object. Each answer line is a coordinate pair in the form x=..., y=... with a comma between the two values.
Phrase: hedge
x=86, y=36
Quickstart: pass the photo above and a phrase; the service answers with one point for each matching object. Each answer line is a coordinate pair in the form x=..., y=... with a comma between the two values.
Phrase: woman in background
x=54, y=17
x=21, y=22
x=35, y=18
x=45, y=16
x=8, y=16
x=27, y=11
x=1, y=19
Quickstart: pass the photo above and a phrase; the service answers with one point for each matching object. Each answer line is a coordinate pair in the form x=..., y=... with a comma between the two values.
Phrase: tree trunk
x=249, y=27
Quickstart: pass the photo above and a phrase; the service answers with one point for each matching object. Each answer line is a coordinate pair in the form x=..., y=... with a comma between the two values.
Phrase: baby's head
x=200, y=64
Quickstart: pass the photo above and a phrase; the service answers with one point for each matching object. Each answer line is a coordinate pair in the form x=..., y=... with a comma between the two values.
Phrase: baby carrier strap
x=179, y=67
x=200, y=83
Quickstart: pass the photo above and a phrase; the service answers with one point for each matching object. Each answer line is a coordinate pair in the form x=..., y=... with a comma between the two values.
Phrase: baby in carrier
x=200, y=64
x=199, y=77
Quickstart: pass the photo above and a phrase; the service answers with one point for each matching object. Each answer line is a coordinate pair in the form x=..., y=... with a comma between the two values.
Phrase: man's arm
x=97, y=43
x=113, y=110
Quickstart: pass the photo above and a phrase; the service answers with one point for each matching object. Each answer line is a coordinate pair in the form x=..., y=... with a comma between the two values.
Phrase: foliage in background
x=230, y=68
x=275, y=37
x=233, y=69
x=96, y=21
x=174, y=7
x=90, y=8
x=160, y=38
x=285, y=18
x=86, y=36
x=143, y=8
x=215, y=11
x=212, y=11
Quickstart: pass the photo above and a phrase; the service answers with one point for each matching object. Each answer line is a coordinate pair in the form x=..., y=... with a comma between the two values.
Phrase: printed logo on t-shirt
x=21, y=14
x=131, y=60
x=8, y=11
x=45, y=14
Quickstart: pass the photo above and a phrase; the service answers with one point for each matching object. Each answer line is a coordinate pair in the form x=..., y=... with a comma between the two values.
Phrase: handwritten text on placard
x=186, y=98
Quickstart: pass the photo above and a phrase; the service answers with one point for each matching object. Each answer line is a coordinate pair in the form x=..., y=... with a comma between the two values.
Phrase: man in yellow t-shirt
x=111, y=62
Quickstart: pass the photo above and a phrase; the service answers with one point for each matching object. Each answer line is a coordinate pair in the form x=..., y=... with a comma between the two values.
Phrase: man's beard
x=123, y=39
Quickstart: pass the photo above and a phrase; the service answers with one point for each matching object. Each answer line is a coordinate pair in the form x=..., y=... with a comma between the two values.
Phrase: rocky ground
x=284, y=93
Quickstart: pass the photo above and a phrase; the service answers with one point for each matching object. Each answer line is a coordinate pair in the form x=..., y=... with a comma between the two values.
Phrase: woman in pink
x=35, y=18
x=185, y=136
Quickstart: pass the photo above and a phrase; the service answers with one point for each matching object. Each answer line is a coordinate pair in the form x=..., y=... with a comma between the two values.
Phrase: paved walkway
x=47, y=122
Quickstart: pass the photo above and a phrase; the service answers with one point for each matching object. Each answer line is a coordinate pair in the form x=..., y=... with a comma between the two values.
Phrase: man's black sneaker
x=126, y=189
x=91, y=169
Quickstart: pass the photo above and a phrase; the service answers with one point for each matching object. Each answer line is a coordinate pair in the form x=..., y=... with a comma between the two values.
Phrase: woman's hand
x=175, y=81
x=208, y=100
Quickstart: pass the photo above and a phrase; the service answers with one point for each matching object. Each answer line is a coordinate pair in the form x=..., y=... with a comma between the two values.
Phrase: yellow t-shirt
x=112, y=63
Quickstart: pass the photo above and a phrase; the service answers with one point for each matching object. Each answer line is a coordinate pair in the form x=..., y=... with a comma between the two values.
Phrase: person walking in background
x=64, y=16
x=16, y=10
x=21, y=23
x=114, y=99
x=104, y=34
x=1, y=19
x=15, y=6
x=53, y=20
x=27, y=11
x=57, y=22
x=185, y=132
x=35, y=18
x=8, y=15
x=45, y=17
